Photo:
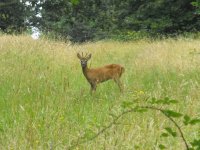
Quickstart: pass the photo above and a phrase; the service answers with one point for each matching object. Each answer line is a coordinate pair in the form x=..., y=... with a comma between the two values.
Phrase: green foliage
x=127, y=104
x=196, y=144
x=129, y=35
x=197, y=5
x=13, y=16
x=119, y=20
x=130, y=107
x=164, y=135
x=86, y=20
x=171, y=132
x=162, y=146
x=173, y=114
x=74, y=2
x=165, y=101
x=188, y=120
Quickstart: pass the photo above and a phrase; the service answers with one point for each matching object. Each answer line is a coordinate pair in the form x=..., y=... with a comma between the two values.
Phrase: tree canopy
x=83, y=20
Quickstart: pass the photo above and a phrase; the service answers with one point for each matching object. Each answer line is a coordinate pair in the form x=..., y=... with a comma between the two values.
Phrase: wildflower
x=141, y=92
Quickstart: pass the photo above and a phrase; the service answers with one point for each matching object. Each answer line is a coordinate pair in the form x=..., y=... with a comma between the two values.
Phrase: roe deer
x=98, y=75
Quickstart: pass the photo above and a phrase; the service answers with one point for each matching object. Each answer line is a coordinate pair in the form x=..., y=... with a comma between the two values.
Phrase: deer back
x=101, y=74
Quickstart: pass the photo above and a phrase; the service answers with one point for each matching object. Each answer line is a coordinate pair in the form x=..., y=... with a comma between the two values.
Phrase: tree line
x=84, y=20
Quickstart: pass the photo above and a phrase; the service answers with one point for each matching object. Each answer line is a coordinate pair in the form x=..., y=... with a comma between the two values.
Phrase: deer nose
x=83, y=63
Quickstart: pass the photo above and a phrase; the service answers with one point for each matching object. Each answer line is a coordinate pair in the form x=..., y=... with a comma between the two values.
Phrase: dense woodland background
x=83, y=20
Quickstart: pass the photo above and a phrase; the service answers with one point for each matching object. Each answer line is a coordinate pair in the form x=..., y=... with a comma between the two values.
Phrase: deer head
x=84, y=59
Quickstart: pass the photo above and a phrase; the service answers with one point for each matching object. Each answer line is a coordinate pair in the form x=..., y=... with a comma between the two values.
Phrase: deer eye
x=83, y=61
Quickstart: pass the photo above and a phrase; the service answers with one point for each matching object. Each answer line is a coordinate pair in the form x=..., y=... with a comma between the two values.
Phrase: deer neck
x=85, y=71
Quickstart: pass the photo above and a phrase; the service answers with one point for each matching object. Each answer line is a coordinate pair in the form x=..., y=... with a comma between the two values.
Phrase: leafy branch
x=169, y=114
x=78, y=142
x=129, y=108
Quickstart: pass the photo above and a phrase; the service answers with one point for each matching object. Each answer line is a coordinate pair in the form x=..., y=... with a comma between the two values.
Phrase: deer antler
x=80, y=56
x=87, y=56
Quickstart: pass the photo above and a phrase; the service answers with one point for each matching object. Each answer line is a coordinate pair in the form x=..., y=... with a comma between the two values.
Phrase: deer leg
x=118, y=82
x=93, y=87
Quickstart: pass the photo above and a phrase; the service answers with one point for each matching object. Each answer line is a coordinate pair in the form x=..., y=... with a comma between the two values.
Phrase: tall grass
x=45, y=101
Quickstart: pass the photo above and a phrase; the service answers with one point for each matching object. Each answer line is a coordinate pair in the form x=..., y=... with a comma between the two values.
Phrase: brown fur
x=102, y=74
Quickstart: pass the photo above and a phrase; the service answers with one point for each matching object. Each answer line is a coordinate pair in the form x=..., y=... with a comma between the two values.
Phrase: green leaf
x=173, y=114
x=164, y=135
x=196, y=143
x=170, y=131
x=136, y=147
x=153, y=100
x=141, y=110
x=126, y=104
x=186, y=120
x=173, y=101
x=196, y=4
x=165, y=101
x=75, y=2
x=169, y=101
x=161, y=146
x=194, y=121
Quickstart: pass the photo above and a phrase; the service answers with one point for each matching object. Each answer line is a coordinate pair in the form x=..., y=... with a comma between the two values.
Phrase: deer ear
x=89, y=56
x=78, y=55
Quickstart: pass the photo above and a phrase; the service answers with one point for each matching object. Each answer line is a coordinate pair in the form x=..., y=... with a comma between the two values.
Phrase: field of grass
x=45, y=101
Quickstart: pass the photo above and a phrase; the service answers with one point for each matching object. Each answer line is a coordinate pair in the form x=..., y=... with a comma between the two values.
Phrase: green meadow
x=45, y=100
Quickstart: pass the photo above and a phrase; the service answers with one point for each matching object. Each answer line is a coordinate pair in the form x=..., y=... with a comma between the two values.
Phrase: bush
x=130, y=35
